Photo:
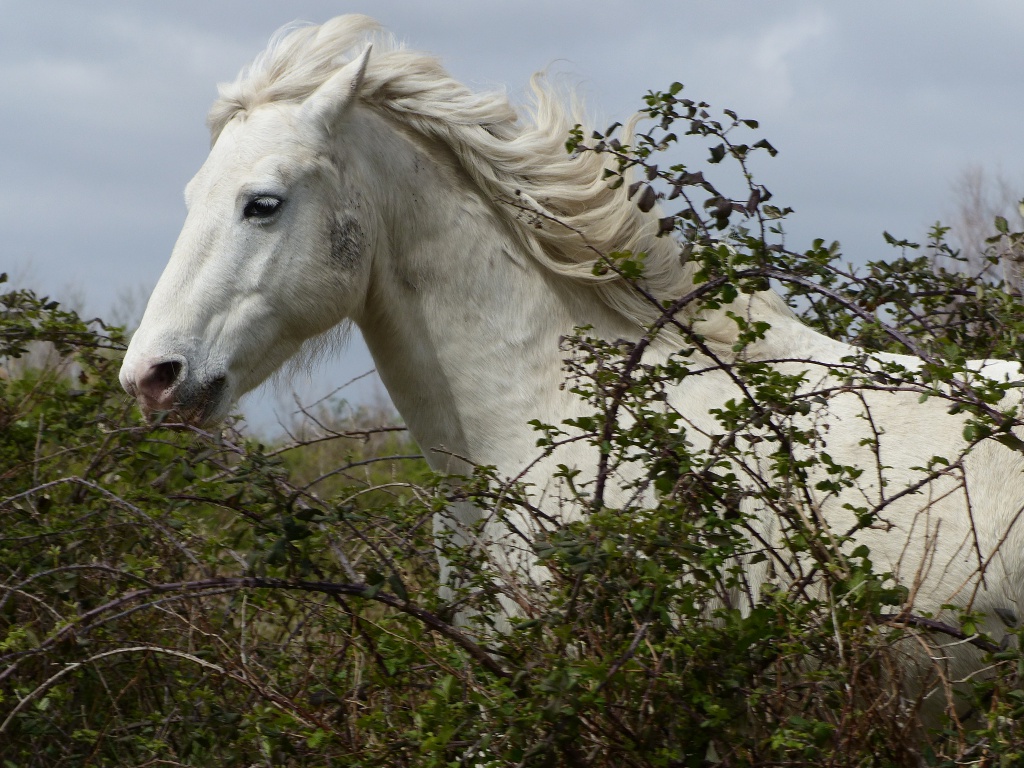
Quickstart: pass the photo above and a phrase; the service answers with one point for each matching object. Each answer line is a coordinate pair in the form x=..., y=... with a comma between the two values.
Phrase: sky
x=876, y=107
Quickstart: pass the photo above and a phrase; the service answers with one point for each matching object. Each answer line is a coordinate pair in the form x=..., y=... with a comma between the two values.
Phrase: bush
x=176, y=596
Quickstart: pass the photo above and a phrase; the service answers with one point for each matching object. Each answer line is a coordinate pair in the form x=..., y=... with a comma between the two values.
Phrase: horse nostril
x=156, y=387
x=163, y=375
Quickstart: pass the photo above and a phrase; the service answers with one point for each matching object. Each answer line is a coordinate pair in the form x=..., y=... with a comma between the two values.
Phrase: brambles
x=170, y=594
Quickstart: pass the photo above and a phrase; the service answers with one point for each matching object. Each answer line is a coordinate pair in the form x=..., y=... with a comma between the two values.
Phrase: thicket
x=173, y=596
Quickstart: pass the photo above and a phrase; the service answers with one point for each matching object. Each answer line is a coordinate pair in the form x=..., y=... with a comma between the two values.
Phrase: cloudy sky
x=876, y=107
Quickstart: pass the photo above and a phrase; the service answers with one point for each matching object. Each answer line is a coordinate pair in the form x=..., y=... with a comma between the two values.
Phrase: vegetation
x=171, y=596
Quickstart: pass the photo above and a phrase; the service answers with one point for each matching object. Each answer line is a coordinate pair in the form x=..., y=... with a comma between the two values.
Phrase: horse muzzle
x=167, y=385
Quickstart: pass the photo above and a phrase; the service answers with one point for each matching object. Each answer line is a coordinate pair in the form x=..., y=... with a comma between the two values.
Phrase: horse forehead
x=269, y=130
x=264, y=145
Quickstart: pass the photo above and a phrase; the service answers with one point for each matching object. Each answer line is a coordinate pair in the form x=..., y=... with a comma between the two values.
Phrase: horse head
x=274, y=251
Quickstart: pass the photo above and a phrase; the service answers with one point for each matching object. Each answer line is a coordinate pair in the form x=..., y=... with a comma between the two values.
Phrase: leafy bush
x=176, y=596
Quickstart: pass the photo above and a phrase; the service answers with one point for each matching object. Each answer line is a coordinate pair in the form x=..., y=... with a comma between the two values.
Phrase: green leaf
x=1010, y=440
x=398, y=587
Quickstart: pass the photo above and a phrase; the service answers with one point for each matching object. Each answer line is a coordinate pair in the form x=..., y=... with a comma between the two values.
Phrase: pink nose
x=157, y=386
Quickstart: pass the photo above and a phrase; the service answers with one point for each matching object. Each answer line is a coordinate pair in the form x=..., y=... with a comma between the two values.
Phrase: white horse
x=380, y=190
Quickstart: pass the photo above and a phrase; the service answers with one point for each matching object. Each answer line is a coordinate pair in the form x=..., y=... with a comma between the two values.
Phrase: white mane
x=560, y=207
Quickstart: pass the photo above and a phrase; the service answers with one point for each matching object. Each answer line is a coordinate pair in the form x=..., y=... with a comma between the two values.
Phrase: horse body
x=356, y=192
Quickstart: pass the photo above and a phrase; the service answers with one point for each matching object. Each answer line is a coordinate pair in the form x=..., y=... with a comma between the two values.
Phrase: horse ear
x=328, y=103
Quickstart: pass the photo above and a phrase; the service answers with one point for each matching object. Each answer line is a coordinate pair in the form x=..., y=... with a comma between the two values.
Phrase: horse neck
x=463, y=326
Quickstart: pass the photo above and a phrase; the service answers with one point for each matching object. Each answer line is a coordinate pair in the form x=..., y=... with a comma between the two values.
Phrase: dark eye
x=262, y=208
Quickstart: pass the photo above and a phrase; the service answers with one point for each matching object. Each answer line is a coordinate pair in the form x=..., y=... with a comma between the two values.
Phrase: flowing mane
x=560, y=207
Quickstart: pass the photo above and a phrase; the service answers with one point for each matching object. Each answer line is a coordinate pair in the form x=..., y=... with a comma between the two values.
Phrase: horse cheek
x=345, y=243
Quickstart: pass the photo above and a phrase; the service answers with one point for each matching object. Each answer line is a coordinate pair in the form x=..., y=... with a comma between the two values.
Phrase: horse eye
x=261, y=208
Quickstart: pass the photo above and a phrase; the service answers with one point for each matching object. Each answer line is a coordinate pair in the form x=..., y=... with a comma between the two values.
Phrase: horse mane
x=560, y=206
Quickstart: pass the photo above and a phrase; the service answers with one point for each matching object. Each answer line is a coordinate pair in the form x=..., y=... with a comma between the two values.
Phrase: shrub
x=176, y=596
